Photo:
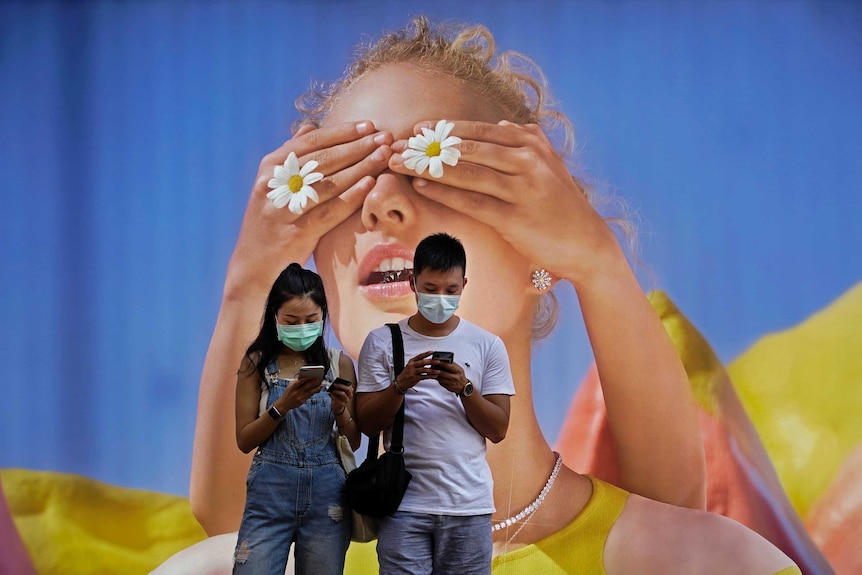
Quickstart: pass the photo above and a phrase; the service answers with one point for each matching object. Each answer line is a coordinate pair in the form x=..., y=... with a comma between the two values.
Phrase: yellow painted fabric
x=361, y=559
x=704, y=369
x=72, y=525
x=790, y=571
x=577, y=548
x=802, y=389
x=554, y=555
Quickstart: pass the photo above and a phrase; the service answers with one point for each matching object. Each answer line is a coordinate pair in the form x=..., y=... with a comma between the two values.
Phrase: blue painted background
x=131, y=133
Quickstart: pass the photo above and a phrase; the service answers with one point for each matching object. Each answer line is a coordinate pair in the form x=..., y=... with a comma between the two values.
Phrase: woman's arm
x=253, y=428
x=651, y=408
x=269, y=239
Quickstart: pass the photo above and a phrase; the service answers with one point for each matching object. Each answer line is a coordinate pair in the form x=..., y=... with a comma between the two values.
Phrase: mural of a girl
x=515, y=205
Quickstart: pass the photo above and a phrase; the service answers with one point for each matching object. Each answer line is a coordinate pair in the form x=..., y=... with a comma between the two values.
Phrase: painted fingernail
x=419, y=182
x=378, y=155
x=380, y=138
x=363, y=127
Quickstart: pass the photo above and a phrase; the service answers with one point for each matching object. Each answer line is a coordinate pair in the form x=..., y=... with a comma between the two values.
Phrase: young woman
x=295, y=484
x=525, y=222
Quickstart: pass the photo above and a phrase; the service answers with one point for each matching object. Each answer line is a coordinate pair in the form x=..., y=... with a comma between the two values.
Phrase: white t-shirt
x=441, y=449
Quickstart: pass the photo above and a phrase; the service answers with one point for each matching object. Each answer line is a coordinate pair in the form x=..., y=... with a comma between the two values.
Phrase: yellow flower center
x=433, y=149
x=295, y=183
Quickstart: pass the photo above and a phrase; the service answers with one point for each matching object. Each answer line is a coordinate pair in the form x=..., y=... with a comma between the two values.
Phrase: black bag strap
x=396, y=445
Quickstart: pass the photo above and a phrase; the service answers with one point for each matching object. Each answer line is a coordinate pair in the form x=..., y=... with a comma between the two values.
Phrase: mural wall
x=133, y=132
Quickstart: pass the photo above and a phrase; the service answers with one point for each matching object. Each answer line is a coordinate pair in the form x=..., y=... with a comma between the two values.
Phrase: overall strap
x=272, y=371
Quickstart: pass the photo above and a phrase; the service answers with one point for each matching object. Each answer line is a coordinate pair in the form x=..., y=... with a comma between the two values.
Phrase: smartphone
x=311, y=372
x=444, y=356
x=340, y=380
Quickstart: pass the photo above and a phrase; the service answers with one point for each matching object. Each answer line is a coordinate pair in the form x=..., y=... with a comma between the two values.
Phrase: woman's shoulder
x=690, y=540
x=250, y=361
x=344, y=360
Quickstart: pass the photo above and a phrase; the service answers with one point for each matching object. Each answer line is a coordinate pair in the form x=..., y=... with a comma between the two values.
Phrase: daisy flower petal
x=418, y=164
x=450, y=156
x=308, y=168
x=292, y=163
x=442, y=129
x=436, y=167
x=279, y=196
x=311, y=194
x=312, y=178
x=295, y=204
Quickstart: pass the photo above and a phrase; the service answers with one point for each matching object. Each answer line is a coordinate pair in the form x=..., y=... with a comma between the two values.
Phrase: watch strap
x=274, y=413
x=468, y=389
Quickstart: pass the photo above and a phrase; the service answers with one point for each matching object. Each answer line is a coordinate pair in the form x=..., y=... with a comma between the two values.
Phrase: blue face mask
x=299, y=337
x=437, y=308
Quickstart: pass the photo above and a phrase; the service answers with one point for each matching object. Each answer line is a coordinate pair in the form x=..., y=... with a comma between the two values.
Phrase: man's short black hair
x=439, y=252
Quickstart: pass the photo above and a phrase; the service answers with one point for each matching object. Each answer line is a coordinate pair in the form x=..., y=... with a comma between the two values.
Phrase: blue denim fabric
x=421, y=544
x=295, y=494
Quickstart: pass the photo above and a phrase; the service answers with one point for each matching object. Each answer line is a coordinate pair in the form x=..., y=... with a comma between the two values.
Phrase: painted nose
x=388, y=207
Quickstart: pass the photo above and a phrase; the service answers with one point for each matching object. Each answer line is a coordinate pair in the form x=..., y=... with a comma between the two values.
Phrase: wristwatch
x=468, y=390
x=274, y=413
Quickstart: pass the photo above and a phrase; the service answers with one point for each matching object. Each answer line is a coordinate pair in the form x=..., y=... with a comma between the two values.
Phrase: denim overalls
x=295, y=492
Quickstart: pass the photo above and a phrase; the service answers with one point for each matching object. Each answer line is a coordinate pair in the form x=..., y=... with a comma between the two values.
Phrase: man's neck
x=419, y=324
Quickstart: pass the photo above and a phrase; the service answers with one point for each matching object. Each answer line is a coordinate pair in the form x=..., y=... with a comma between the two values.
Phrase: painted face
x=363, y=260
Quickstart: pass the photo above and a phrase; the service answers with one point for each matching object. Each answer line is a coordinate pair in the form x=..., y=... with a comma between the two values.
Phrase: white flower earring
x=291, y=186
x=541, y=279
x=431, y=149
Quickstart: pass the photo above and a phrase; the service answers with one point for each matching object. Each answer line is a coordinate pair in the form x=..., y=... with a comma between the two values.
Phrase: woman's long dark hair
x=294, y=281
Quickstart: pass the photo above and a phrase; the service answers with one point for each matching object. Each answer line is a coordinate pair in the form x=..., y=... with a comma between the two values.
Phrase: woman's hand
x=510, y=177
x=349, y=155
x=297, y=393
x=341, y=396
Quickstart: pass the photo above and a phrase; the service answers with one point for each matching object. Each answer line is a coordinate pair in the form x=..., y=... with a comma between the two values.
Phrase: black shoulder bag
x=377, y=486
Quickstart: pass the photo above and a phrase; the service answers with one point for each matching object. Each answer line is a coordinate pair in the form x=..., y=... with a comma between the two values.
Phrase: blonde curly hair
x=509, y=81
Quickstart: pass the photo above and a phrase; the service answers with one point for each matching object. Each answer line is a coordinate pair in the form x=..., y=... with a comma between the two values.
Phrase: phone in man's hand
x=444, y=356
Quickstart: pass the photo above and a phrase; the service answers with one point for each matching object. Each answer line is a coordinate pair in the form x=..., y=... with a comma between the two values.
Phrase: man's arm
x=375, y=410
x=488, y=414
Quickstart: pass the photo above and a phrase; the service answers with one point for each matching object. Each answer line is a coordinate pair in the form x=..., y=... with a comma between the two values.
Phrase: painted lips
x=385, y=270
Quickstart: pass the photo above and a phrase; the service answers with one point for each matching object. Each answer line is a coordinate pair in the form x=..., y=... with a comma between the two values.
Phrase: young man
x=444, y=522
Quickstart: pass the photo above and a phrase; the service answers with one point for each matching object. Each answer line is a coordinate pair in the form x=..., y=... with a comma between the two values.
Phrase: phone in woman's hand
x=311, y=372
x=340, y=380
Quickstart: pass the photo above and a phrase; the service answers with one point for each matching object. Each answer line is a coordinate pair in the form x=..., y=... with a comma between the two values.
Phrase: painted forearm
x=651, y=410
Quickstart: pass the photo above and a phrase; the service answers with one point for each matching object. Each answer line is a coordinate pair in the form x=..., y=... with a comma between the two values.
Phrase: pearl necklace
x=534, y=506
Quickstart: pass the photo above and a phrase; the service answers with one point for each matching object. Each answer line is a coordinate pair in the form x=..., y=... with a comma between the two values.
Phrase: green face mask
x=299, y=337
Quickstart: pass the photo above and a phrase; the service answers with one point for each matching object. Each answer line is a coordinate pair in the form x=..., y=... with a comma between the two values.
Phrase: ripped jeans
x=293, y=504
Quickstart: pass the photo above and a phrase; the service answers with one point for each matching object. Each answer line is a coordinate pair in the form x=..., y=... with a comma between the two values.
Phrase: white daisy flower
x=432, y=149
x=291, y=186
